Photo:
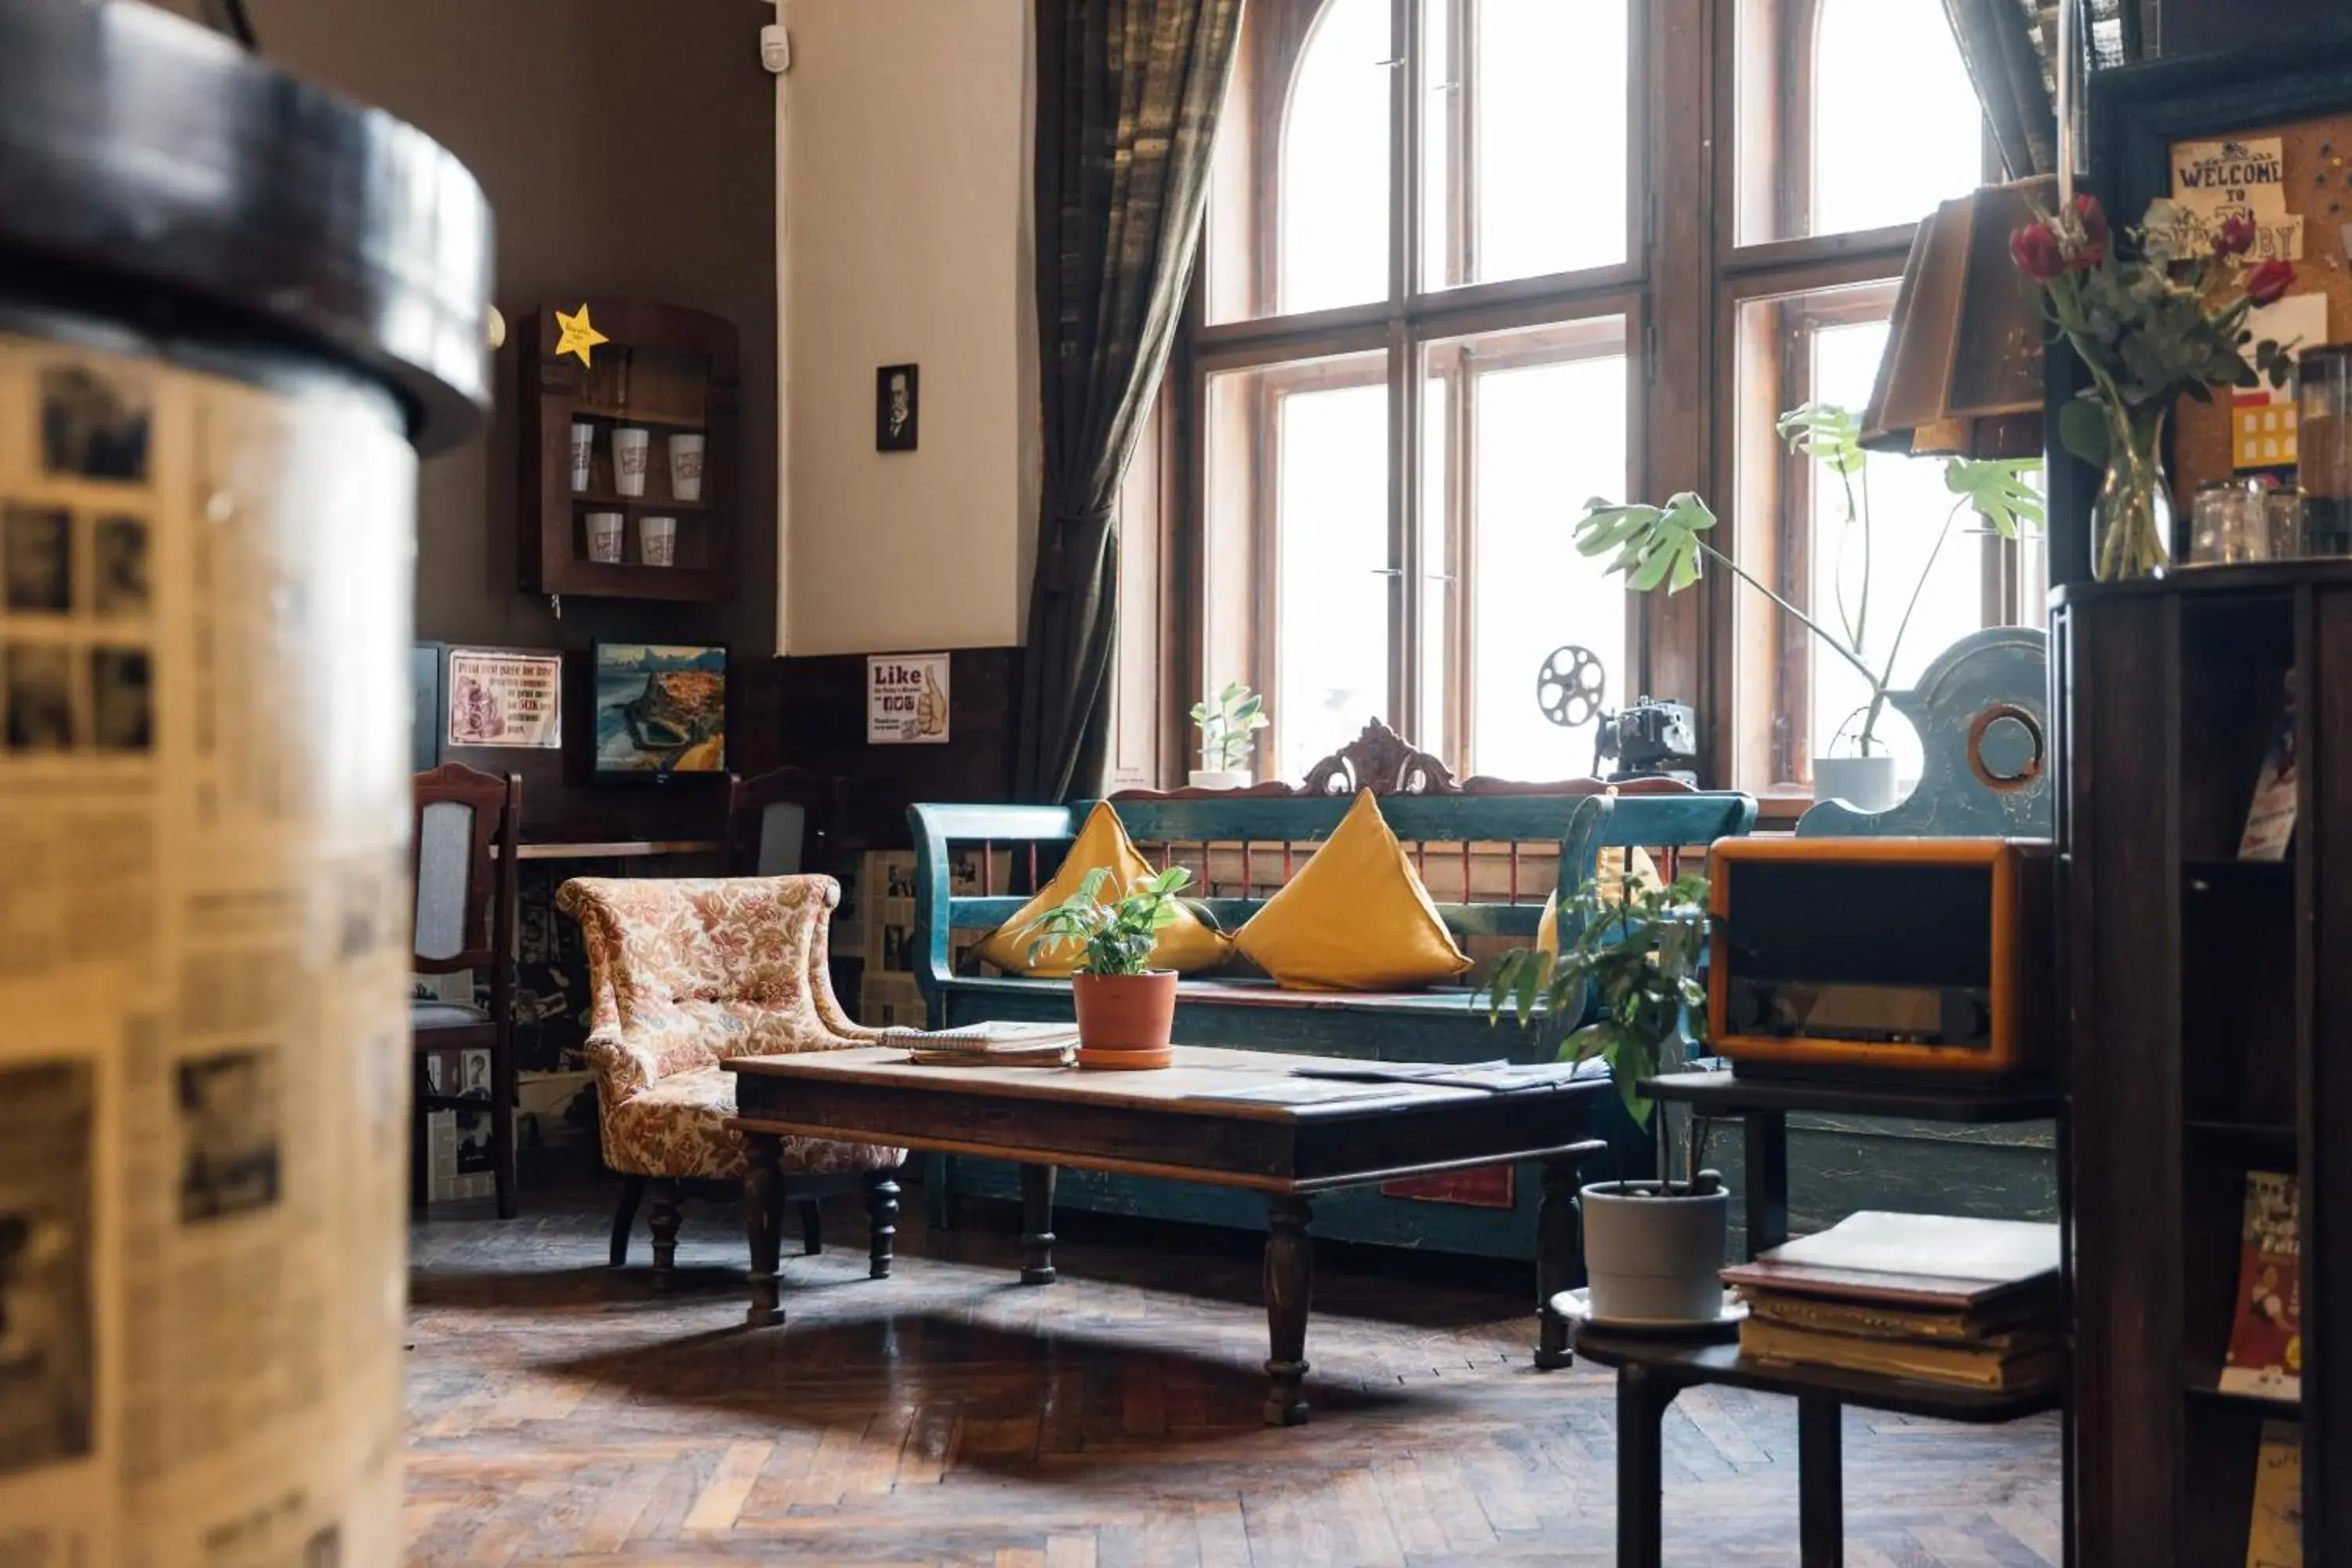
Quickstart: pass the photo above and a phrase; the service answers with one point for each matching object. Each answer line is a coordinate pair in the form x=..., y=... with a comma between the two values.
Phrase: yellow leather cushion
x=1355, y=918
x=1188, y=947
x=1615, y=869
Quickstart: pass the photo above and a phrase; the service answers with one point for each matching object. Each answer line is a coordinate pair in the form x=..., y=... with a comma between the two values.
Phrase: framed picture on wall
x=661, y=709
x=897, y=395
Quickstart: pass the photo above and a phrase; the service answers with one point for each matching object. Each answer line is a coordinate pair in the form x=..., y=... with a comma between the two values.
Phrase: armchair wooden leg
x=624, y=1218
x=663, y=1222
x=811, y=1228
x=882, y=1222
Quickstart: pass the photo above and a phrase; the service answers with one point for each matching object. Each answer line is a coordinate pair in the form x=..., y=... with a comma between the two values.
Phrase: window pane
x=1533, y=417
x=1543, y=104
x=1298, y=577
x=1867, y=120
x=1307, y=122
x=1796, y=697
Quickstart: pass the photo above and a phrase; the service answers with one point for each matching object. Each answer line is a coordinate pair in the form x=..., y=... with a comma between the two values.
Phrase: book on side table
x=1972, y=1303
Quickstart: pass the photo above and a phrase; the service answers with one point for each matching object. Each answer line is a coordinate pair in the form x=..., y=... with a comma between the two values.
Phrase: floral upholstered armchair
x=681, y=976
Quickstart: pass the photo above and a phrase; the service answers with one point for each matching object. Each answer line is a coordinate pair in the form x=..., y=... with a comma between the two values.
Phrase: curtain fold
x=2010, y=48
x=1128, y=97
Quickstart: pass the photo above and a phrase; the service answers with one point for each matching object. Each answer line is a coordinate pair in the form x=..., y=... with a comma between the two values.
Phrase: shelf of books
x=2206, y=828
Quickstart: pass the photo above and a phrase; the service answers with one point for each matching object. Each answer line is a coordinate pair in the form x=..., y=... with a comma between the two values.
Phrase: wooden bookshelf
x=2209, y=1027
x=665, y=370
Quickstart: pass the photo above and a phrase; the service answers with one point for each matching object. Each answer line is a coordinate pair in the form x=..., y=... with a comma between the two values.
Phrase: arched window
x=1331, y=206
x=1896, y=125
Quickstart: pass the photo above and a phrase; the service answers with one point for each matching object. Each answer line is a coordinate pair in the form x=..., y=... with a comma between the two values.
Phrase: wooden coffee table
x=1159, y=1124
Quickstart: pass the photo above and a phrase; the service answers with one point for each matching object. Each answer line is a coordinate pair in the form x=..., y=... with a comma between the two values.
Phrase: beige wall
x=903, y=231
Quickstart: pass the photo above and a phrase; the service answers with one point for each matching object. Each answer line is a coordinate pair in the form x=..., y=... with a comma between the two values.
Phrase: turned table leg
x=1037, y=1224
x=1289, y=1288
x=881, y=1222
x=1555, y=1260
x=663, y=1222
x=763, y=1222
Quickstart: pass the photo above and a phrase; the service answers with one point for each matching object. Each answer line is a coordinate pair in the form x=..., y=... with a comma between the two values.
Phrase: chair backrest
x=683, y=971
x=782, y=823
x=467, y=828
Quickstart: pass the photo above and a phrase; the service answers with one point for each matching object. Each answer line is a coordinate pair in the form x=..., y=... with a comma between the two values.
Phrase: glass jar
x=2229, y=523
x=2287, y=511
x=2324, y=448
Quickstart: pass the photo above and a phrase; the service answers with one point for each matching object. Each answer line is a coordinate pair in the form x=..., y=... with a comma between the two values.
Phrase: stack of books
x=988, y=1045
x=1970, y=1303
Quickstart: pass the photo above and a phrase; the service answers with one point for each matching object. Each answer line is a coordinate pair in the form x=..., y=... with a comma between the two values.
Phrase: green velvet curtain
x=2011, y=48
x=1128, y=97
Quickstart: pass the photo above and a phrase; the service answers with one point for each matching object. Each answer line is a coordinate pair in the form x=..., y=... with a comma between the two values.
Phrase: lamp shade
x=1963, y=372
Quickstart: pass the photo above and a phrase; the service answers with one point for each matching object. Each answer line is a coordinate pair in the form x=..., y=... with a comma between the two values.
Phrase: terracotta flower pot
x=1124, y=1020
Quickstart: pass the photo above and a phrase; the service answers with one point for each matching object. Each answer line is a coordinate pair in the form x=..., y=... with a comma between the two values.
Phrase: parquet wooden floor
x=561, y=1413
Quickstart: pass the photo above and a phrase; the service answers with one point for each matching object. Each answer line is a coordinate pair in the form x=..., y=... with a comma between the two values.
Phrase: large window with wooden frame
x=1468, y=263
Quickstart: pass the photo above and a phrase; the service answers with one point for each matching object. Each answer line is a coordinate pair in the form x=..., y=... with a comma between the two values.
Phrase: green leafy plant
x=1669, y=546
x=1229, y=721
x=1636, y=950
x=1116, y=933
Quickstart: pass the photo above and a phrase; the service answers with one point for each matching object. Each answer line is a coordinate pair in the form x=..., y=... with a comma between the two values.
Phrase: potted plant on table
x=1652, y=1247
x=1229, y=721
x=1126, y=1009
x=2155, y=314
x=1668, y=546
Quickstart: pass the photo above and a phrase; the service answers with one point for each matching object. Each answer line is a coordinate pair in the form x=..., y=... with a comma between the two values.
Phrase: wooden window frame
x=1679, y=288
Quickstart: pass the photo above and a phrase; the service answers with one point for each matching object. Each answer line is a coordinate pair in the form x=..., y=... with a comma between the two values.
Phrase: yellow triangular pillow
x=1613, y=870
x=1187, y=947
x=1355, y=918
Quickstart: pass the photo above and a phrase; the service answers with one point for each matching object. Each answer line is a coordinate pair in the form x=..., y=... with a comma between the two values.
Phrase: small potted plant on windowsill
x=1127, y=1010
x=1228, y=722
x=1652, y=1248
x=1664, y=546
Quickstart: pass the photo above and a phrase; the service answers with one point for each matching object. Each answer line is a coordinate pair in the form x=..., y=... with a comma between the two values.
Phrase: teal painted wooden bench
x=1489, y=854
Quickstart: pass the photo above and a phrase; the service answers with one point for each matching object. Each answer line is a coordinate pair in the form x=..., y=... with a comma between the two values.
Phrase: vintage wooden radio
x=1866, y=955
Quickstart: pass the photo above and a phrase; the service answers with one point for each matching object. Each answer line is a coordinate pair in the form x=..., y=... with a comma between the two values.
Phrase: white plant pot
x=1652, y=1258
x=1865, y=783
x=1218, y=778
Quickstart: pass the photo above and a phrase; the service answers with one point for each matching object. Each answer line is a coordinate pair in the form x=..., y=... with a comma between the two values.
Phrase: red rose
x=2270, y=281
x=2236, y=234
x=2035, y=248
x=2092, y=219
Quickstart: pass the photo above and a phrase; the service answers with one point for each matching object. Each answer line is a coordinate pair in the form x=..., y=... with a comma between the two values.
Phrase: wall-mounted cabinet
x=629, y=456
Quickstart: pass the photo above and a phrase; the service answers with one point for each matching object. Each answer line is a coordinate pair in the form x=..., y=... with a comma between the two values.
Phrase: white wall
x=904, y=234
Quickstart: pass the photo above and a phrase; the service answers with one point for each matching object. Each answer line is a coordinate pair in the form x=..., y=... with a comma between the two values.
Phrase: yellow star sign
x=578, y=337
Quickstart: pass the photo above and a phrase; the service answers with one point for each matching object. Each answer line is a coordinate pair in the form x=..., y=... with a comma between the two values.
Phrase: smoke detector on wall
x=775, y=48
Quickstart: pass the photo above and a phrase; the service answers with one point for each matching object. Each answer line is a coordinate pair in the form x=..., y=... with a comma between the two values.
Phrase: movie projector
x=1648, y=741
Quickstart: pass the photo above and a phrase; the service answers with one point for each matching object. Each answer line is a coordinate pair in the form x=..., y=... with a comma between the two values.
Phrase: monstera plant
x=1670, y=546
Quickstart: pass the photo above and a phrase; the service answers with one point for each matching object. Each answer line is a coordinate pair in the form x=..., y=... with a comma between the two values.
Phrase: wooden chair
x=782, y=823
x=682, y=974
x=466, y=827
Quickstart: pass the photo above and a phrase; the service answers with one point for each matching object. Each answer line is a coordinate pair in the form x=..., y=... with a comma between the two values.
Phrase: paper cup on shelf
x=583, y=452
x=657, y=540
x=686, y=467
x=605, y=536
x=629, y=448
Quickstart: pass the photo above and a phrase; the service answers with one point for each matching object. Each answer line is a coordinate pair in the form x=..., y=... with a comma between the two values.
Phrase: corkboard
x=2201, y=434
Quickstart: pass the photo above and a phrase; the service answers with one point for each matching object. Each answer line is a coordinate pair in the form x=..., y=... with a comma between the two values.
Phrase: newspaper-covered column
x=204, y=820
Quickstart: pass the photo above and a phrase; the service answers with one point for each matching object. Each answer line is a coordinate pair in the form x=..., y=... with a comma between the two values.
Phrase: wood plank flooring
x=560, y=1412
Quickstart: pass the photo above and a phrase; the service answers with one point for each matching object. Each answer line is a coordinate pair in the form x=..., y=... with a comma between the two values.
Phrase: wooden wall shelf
x=663, y=368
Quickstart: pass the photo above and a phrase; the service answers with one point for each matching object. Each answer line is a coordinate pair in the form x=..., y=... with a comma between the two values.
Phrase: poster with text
x=907, y=699
x=505, y=699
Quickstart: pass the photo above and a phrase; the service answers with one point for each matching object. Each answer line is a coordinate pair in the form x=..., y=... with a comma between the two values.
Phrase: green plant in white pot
x=1652, y=1247
x=1669, y=546
x=1229, y=721
x=1126, y=1008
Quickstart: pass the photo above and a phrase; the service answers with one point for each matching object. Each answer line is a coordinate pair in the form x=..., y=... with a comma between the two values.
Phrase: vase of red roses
x=2155, y=314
